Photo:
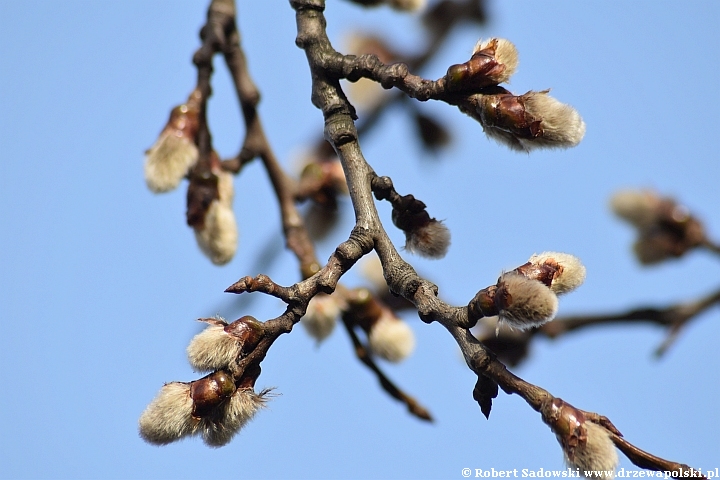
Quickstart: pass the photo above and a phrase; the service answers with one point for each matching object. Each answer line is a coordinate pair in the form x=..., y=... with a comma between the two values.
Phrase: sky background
x=101, y=280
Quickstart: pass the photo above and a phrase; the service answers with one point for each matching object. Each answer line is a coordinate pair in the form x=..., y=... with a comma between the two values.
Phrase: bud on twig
x=220, y=343
x=665, y=228
x=213, y=407
x=424, y=236
x=215, y=227
x=586, y=445
x=493, y=61
x=524, y=303
x=174, y=153
x=519, y=302
x=529, y=121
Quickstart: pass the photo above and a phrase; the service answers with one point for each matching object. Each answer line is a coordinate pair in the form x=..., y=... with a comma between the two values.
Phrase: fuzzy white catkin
x=320, y=318
x=168, y=161
x=429, y=241
x=231, y=418
x=169, y=416
x=531, y=304
x=212, y=349
x=218, y=238
x=636, y=207
x=391, y=338
x=572, y=274
x=505, y=54
x=562, y=125
x=596, y=454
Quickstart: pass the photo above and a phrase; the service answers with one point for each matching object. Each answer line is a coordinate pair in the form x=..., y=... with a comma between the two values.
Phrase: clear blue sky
x=101, y=281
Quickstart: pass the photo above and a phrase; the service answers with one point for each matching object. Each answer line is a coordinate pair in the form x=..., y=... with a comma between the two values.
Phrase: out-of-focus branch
x=364, y=356
x=255, y=143
x=711, y=246
x=673, y=317
x=513, y=346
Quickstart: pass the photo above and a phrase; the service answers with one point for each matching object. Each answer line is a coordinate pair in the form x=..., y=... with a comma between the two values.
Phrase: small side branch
x=674, y=318
x=364, y=356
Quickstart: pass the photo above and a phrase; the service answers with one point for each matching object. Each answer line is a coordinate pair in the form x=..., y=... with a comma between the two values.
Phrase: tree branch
x=341, y=133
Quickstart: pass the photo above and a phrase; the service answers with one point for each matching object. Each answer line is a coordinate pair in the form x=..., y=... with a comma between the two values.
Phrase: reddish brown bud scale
x=184, y=120
x=483, y=304
x=493, y=62
x=507, y=112
x=210, y=391
x=168, y=161
x=200, y=195
x=542, y=273
x=247, y=330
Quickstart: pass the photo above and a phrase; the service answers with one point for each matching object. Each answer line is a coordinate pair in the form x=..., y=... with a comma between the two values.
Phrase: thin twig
x=394, y=391
x=674, y=318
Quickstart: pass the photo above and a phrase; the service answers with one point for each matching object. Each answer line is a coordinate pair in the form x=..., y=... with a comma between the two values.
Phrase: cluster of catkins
x=521, y=122
x=526, y=297
x=216, y=406
x=171, y=158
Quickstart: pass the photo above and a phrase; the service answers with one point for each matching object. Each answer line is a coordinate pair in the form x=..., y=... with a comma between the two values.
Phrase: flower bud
x=220, y=344
x=390, y=338
x=561, y=272
x=423, y=235
x=532, y=120
x=524, y=303
x=493, y=61
x=665, y=228
x=320, y=316
x=169, y=415
x=586, y=445
x=174, y=153
x=217, y=234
